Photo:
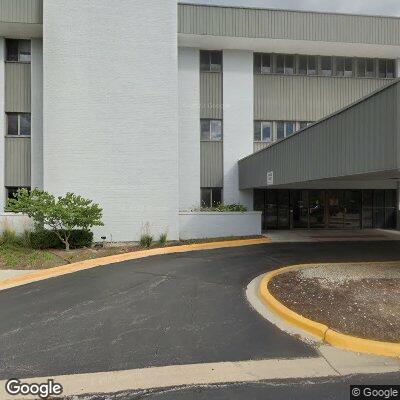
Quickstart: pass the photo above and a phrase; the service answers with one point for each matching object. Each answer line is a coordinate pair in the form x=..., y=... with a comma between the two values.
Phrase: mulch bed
x=366, y=308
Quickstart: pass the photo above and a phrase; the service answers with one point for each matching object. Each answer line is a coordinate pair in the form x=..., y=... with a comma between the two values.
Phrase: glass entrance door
x=317, y=208
x=336, y=210
x=352, y=206
x=299, y=203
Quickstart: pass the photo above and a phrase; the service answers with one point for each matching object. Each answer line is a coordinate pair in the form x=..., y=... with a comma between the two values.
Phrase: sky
x=377, y=7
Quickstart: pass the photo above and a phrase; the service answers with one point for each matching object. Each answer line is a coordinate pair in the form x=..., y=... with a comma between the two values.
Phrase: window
x=211, y=197
x=210, y=61
x=326, y=66
x=285, y=129
x=307, y=65
x=18, y=124
x=365, y=68
x=285, y=64
x=263, y=131
x=211, y=130
x=12, y=191
x=18, y=50
x=386, y=69
x=303, y=124
x=344, y=66
x=263, y=63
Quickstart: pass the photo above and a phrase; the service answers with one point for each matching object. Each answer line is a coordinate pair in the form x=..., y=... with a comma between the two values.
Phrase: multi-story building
x=146, y=107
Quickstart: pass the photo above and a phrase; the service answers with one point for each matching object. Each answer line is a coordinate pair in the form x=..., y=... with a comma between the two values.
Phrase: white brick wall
x=110, y=110
x=189, y=128
x=238, y=121
x=2, y=123
x=37, y=113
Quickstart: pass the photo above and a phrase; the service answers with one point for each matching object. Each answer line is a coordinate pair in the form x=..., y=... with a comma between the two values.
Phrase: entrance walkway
x=323, y=235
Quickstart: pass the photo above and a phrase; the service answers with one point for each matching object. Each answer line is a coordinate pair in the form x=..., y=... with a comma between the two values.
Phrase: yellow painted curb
x=318, y=330
x=93, y=263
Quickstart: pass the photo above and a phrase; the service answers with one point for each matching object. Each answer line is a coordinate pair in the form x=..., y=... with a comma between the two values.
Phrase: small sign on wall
x=270, y=178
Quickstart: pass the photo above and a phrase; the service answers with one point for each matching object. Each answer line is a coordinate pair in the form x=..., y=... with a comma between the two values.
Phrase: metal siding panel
x=21, y=11
x=17, y=87
x=305, y=98
x=211, y=164
x=295, y=25
x=17, y=161
x=211, y=95
x=360, y=139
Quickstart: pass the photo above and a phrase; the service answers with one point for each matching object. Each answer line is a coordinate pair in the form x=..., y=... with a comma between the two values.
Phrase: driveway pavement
x=169, y=310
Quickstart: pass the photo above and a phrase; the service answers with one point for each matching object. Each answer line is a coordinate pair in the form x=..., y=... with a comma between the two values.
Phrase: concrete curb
x=98, y=262
x=318, y=330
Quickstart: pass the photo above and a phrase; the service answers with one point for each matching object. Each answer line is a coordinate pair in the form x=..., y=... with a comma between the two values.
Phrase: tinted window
x=280, y=130
x=216, y=130
x=290, y=128
x=25, y=124
x=266, y=67
x=216, y=196
x=369, y=68
x=205, y=197
x=312, y=65
x=24, y=51
x=205, y=129
x=257, y=131
x=361, y=67
x=326, y=66
x=303, y=65
x=12, y=50
x=257, y=63
x=289, y=65
x=211, y=61
x=12, y=124
x=280, y=64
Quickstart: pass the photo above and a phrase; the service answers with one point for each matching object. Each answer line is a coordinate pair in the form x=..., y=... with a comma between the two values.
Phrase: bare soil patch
x=361, y=300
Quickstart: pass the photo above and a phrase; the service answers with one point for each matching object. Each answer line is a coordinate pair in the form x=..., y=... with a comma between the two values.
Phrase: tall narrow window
x=289, y=65
x=285, y=129
x=211, y=130
x=302, y=65
x=263, y=131
x=326, y=66
x=210, y=61
x=369, y=68
x=312, y=65
x=280, y=64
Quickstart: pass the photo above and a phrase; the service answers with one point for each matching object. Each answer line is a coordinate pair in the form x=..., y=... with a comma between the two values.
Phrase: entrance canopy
x=356, y=144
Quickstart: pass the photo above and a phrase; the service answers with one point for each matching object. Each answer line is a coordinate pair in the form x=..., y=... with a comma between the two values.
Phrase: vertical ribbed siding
x=21, y=11
x=305, y=98
x=18, y=87
x=211, y=168
x=359, y=140
x=280, y=24
x=17, y=161
x=211, y=95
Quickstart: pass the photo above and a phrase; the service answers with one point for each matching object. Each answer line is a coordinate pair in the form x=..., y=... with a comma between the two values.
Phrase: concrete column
x=2, y=124
x=238, y=121
x=189, y=128
x=37, y=114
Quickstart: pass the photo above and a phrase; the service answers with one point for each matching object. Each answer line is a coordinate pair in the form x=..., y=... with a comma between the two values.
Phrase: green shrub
x=46, y=239
x=146, y=240
x=227, y=208
x=163, y=239
x=10, y=238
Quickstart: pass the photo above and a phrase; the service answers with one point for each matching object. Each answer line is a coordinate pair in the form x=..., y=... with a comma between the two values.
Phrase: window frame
x=210, y=63
x=285, y=131
x=386, y=61
x=344, y=73
x=211, y=194
x=19, y=52
x=321, y=60
x=18, y=124
x=271, y=135
x=210, y=121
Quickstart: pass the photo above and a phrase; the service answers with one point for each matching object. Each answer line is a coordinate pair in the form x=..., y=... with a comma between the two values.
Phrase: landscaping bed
x=361, y=300
x=19, y=257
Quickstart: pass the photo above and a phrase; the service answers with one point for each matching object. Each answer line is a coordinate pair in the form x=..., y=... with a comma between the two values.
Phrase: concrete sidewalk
x=325, y=235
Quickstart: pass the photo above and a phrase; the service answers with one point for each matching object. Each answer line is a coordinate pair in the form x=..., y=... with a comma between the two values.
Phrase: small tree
x=62, y=214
